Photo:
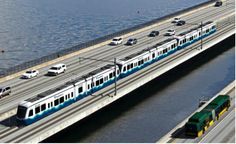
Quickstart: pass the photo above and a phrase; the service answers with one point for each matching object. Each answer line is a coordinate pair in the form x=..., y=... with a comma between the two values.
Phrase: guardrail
x=84, y=45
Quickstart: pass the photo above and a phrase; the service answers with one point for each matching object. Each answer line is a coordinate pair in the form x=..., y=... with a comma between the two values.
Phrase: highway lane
x=77, y=108
x=23, y=89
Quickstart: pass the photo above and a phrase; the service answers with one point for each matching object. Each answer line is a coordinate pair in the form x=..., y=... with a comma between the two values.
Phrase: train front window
x=21, y=112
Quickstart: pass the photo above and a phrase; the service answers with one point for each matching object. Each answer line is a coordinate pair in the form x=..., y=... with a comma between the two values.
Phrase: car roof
x=117, y=37
x=58, y=65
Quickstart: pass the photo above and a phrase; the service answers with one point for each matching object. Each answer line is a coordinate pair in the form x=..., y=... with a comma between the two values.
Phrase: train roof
x=106, y=67
x=48, y=92
x=164, y=42
x=132, y=56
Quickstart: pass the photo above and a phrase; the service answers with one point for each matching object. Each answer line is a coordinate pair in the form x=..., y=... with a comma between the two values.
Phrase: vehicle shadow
x=180, y=134
x=9, y=122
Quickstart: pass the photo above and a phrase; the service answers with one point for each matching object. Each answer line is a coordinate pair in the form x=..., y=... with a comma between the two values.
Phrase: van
x=57, y=69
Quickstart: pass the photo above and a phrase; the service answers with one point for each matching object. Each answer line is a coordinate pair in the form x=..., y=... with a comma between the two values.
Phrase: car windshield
x=0, y=89
x=170, y=30
x=115, y=39
x=29, y=72
x=130, y=39
x=176, y=18
x=53, y=68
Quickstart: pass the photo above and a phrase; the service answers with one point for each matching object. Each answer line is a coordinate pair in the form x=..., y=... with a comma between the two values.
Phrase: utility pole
x=115, y=76
x=201, y=35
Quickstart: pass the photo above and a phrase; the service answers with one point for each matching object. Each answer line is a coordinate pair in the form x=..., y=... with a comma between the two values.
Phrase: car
x=132, y=41
x=4, y=91
x=57, y=69
x=116, y=41
x=218, y=3
x=30, y=74
x=180, y=23
x=154, y=33
x=177, y=19
x=170, y=32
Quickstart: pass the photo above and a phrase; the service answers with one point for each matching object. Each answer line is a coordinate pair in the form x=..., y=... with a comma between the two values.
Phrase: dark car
x=132, y=41
x=218, y=3
x=180, y=23
x=5, y=91
x=154, y=33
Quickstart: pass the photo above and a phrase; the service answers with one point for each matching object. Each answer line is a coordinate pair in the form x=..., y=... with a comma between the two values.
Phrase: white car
x=116, y=41
x=30, y=74
x=176, y=20
x=170, y=32
x=57, y=69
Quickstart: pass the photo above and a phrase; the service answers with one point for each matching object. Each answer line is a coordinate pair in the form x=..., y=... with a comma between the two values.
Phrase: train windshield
x=21, y=112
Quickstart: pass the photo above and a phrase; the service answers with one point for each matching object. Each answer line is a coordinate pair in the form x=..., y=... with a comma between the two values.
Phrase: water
x=151, y=111
x=33, y=28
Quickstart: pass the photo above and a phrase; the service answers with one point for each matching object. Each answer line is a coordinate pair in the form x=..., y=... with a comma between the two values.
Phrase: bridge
x=24, y=89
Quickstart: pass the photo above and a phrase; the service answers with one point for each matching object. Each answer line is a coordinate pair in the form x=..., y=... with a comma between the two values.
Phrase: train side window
x=30, y=113
x=114, y=74
x=51, y=104
x=142, y=61
x=132, y=65
x=72, y=94
x=61, y=99
x=56, y=102
x=37, y=110
x=124, y=68
x=48, y=105
x=139, y=62
x=43, y=107
x=128, y=67
x=97, y=82
x=88, y=86
x=80, y=90
x=110, y=75
x=101, y=81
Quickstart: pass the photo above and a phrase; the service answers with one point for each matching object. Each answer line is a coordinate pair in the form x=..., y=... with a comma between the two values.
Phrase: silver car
x=5, y=91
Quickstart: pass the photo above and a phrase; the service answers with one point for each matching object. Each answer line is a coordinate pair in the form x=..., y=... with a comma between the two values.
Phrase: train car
x=42, y=105
x=166, y=47
x=207, y=28
x=101, y=78
x=133, y=63
x=188, y=37
x=201, y=121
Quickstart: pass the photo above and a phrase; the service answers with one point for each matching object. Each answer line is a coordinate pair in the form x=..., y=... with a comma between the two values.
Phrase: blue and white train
x=48, y=102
